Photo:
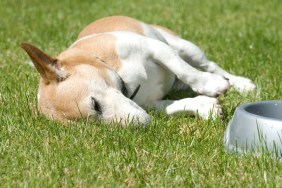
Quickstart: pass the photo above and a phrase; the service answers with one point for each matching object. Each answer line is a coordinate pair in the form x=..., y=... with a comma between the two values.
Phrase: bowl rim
x=243, y=107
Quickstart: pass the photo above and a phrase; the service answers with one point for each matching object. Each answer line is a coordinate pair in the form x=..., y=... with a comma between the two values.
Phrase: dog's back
x=113, y=23
x=123, y=23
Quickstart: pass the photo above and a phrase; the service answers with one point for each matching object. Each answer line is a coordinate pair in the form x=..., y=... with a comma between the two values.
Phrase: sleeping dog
x=119, y=65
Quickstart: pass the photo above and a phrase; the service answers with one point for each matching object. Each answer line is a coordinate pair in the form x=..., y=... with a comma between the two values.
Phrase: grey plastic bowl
x=256, y=127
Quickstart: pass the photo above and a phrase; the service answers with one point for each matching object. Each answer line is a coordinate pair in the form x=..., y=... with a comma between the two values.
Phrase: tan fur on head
x=62, y=78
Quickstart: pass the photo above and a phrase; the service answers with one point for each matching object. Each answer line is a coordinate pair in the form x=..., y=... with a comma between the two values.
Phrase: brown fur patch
x=113, y=23
x=75, y=56
x=102, y=47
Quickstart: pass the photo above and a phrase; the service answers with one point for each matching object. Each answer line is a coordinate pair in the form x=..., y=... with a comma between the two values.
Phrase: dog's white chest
x=139, y=68
x=155, y=85
x=155, y=81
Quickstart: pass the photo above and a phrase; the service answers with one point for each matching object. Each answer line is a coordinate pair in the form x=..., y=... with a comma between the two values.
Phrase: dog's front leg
x=193, y=55
x=201, y=82
x=205, y=107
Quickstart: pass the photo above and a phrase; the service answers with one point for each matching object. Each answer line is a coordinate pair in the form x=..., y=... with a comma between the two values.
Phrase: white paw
x=241, y=84
x=210, y=84
x=208, y=107
x=205, y=107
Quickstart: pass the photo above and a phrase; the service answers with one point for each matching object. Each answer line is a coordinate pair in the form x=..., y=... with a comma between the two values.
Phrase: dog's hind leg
x=205, y=107
x=193, y=55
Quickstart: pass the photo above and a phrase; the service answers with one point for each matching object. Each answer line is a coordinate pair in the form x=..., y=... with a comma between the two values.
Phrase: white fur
x=202, y=105
x=138, y=68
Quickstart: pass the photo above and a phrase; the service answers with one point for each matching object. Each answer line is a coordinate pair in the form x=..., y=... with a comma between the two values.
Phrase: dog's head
x=77, y=85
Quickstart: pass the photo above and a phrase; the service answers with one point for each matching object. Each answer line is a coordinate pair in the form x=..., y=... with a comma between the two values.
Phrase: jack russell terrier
x=119, y=65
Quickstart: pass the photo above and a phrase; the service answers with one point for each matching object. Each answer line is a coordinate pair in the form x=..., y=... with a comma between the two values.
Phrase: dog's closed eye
x=96, y=106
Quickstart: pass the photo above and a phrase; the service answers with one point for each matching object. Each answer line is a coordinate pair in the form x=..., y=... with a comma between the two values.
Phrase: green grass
x=244, y=37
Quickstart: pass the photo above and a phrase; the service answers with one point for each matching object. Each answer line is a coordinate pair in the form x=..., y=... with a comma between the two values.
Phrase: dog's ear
x=46, y=65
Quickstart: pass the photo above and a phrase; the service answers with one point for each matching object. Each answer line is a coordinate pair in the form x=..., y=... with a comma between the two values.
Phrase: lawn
x=244, y=37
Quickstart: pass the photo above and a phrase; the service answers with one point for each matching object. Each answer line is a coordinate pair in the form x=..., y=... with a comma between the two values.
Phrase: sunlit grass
x=244, y=37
